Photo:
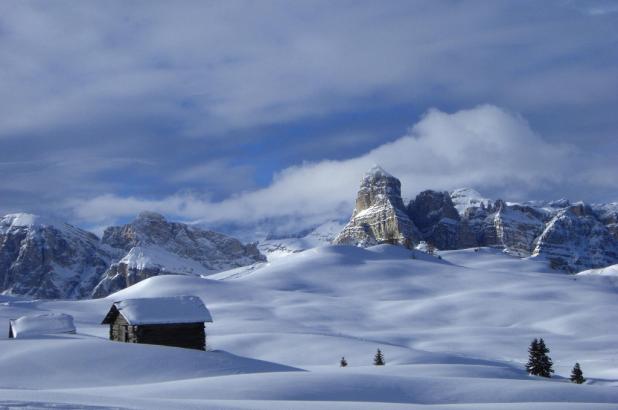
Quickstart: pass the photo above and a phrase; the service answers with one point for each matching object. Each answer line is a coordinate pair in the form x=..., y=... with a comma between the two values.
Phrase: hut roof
x=163, y=310
x=43, y=324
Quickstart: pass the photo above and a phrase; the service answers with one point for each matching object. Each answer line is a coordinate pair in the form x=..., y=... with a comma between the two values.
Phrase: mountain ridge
x=44, y=257
x=571, y=236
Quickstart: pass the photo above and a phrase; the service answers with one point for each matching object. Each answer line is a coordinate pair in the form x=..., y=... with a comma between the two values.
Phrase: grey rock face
x=48, y=259
x=517, y=227
x=435, y=216
x=574, y=240
x=156, y=246
x=380, y=215
x=572, y=237
x=608, y=215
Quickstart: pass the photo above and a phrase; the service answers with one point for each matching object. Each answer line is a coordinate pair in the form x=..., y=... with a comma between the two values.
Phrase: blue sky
x=226, y=111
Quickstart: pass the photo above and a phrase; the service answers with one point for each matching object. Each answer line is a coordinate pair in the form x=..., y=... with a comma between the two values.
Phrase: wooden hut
x=42, y=324
x=169, y=321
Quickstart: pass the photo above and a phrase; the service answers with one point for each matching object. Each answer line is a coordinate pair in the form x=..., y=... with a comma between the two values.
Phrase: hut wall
x=187, y=335
x=119, y=329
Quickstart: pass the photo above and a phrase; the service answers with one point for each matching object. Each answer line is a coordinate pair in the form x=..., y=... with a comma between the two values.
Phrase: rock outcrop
x=45, y=258
x=380, y=215
x=571, y=237
x=437, y=219
x=575, y=240
x=608, y=215
x=156, y=246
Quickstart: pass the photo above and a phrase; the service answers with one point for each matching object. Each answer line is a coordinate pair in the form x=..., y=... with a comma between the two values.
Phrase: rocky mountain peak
x=147, y=228
x=43, y=257
x=156, y=246
x=380, y=215
x=580, y=209
x=570, y=236
x=149, y=217
x=465, y=198
x=378, y=186
x=47, y=258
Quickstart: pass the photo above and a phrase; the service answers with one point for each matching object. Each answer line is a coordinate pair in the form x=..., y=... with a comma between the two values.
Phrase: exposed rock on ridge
x=570, y=237
x=45, y=258
x=380, y=215
x=157, y=247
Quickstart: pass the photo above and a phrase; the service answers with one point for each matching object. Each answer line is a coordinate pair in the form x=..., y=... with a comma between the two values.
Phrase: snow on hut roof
x=178, y=309
x=43, y=324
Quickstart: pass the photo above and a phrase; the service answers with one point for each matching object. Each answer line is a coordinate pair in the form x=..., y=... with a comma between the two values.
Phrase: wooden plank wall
x=187, y=335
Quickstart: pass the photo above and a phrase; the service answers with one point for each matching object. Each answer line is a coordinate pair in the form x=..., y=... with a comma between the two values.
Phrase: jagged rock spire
x=380, y=215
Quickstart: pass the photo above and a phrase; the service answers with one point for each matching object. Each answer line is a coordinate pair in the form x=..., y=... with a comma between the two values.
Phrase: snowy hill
x=277, y=246
x=454, y=331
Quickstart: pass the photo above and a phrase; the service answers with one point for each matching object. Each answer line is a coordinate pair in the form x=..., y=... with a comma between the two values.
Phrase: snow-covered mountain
x=156, y=246
x=46, y=258
x=43, y=257
x=571, y=237
x=278, y=246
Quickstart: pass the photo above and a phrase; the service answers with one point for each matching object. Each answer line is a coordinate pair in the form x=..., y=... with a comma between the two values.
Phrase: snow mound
x=603, y=275
x=454, y=333
x=608, y=271
x=43, y=324
x=81, y=361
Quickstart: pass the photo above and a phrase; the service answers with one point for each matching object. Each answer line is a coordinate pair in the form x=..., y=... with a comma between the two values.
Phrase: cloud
x=485, y=147
x=211, y=67
x=200, y=103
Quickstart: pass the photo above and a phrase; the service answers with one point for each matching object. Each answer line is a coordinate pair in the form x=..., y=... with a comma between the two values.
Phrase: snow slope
x=454, y=331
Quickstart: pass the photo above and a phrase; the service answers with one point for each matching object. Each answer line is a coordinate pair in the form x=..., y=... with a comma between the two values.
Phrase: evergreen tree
x=539, y=363
x=577, y=376
x=546, y=362
x=378, y=359
x=343, y=362
x=533, y=366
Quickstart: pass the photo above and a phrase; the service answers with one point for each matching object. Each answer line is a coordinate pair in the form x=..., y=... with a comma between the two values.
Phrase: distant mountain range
x=571, y=237
x=43, y=257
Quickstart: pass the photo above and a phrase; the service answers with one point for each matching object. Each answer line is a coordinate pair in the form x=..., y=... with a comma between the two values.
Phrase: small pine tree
x=533, y=366
x=546, y=362
x=378, y=359
x=539, y=363
x=343, y=362
x=577, y=376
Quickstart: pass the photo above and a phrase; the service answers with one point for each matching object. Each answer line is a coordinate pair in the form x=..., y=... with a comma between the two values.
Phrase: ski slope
x=454, y=332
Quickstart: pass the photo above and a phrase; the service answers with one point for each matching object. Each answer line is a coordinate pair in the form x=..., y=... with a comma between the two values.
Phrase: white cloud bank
x=485, y=147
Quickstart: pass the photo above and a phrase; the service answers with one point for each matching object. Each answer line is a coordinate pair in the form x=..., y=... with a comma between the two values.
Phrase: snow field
x=454, y=333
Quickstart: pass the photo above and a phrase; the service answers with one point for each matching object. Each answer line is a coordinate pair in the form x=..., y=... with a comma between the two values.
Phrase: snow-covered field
x=454, y=332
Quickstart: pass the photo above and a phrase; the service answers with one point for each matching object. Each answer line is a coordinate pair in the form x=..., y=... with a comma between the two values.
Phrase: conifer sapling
x=577, y=376
x=539, y=363
x=378, y=359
